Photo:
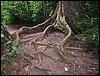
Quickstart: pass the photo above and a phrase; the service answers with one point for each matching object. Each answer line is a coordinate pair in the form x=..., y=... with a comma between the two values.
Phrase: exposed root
x=39, y=27
x=42, y=52
x=27, y=37
x=43, y=65
x=42, y=68
x=70, y=62
x=29, y=55
x=45, y=44
x=44, y=32
x=26, y=40
x=44, y=48
x=39, y=58
x=42, y=36
x=59, y=22
x=35, y=46
x=55, y=21
x=74, y=48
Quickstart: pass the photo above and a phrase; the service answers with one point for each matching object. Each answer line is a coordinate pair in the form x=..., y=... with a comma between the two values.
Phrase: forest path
x=48, y=61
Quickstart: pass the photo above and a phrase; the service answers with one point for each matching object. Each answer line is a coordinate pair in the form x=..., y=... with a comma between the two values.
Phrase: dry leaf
x=66, y=69
x=72, y=52
x=26, y=68
x=93, y=68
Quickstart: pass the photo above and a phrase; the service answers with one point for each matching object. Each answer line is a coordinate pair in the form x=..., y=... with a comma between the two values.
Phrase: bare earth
x=48, y=62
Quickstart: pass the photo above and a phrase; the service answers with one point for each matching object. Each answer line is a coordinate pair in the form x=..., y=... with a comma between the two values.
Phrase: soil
x=48, y=62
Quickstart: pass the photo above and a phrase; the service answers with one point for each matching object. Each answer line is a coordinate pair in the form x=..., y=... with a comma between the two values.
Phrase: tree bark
x=73, y=8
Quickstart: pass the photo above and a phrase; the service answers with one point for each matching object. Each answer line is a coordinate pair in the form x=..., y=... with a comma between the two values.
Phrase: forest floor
x=47, y=61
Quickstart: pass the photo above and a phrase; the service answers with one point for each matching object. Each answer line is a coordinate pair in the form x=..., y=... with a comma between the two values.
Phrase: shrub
x=90, y=24
x=25, y=12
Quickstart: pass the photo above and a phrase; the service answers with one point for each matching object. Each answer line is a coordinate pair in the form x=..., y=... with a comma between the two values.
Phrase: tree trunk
x=73, y=9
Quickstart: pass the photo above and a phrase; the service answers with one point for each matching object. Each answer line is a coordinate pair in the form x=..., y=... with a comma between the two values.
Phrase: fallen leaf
x=72, y=52
x=93, y=68
x=66, y=69
x=26, y=68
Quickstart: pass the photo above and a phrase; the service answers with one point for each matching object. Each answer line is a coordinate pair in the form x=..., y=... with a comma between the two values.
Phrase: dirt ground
x=47, y=61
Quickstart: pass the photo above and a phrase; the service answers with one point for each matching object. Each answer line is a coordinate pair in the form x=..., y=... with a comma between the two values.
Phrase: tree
x=57, y=20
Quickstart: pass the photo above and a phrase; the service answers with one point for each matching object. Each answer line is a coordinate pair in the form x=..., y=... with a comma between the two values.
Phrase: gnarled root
x=39, y=27
x=56, y=21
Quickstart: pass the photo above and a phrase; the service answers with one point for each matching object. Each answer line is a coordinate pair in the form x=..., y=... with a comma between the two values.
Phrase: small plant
x=14, y=50
x=5, y=64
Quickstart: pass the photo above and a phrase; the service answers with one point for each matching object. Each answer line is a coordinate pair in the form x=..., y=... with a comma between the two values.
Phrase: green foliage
x=73, y=24
x=3, y=41
x=92, y=39
x=7, y=19
x=16, y=50
x=90, y=24
x=6, y=64
x=25, y=12
x=11, y=54
x=91, y=9
x=19, y=50
x=70, y=20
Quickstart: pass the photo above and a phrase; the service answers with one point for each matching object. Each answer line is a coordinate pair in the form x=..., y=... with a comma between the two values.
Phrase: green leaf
x=11, y=54
x=14, y=48
x=20, y=50
x=51, y=13
x=34, y=15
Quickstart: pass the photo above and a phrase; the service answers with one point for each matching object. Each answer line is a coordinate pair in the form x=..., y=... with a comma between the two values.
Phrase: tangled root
x=55, y=21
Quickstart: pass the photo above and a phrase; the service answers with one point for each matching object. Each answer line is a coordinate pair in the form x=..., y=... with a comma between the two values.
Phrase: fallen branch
x=44, y=44
x=42, y=68
x=74, y=48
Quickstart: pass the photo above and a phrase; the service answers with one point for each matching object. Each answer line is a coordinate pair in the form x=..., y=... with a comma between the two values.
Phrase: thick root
x=39, y=58
x=58, y=19
x=34, y=29
x=44, y=32
x=55, y=21
x=39, y=27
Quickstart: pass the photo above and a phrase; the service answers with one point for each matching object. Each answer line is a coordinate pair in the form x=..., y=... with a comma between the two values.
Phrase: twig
x=35, y=45
x=43, y=54
x=74, y=48
x=44, y=44
x=42, y=68
x=31, y=56
x=26, y=40
x=27, y=37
